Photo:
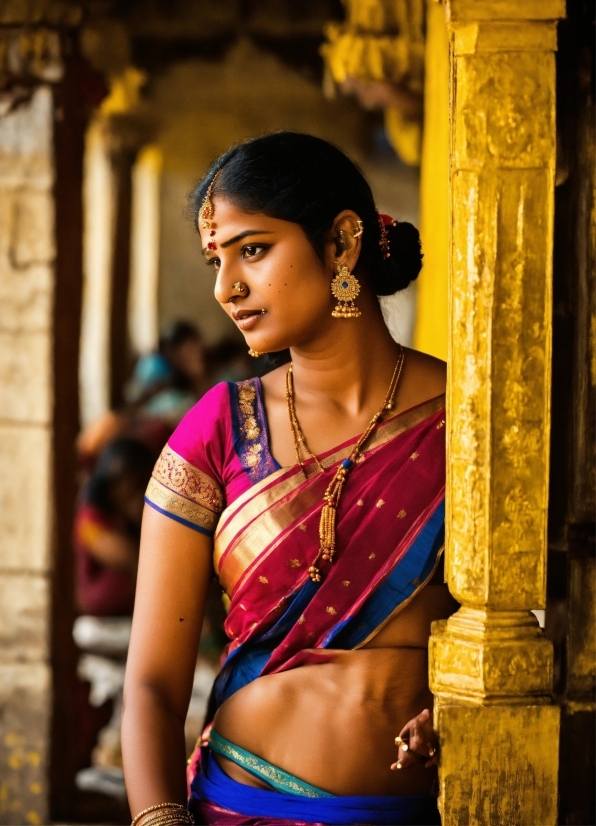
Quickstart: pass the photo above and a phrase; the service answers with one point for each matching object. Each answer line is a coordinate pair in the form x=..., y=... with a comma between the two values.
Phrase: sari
x=217, y=476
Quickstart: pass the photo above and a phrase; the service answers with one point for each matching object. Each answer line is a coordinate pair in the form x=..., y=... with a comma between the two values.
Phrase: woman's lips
x=246, y=319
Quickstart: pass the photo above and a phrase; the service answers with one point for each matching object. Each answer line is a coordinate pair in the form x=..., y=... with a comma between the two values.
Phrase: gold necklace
x=334, y=489
x=297, y=433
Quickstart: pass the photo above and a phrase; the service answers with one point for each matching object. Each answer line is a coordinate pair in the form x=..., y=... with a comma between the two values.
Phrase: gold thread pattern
x=177, y=505
x=175, y=473
x=263, y=499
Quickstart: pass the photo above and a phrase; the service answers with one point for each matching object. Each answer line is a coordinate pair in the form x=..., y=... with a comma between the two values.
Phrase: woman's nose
x=227, y=290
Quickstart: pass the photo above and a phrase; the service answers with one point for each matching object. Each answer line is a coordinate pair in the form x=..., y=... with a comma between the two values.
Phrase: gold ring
x=431, y=751
x=239, y=286
x=399, y=741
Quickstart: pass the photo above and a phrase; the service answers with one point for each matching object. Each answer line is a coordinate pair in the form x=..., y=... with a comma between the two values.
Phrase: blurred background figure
x=182, y=345
x=229, y=361
x=106, y=536
x=108, y=528
x=164, y=385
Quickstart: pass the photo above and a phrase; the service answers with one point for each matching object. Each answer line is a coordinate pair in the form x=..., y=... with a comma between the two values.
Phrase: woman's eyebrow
x=239, y=237
x=245, y=234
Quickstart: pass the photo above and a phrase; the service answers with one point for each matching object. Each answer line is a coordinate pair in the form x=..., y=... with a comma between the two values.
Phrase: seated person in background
x=156, y=392
x=182, y=345
x=107, y=528
x=229, y=361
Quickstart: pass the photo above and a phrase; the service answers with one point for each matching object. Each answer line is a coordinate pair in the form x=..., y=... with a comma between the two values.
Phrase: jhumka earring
x=345, y=287
x=206, y=213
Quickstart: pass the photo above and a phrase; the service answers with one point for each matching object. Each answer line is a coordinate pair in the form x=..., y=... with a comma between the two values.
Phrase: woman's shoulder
x=203, y=429
x=424, y=377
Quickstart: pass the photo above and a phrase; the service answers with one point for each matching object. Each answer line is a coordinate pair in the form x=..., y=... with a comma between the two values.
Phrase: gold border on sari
x=176, y=505
x=253, y=521
x=184, y=479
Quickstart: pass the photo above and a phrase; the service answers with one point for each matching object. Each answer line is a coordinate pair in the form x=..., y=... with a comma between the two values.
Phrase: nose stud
x=240, y=287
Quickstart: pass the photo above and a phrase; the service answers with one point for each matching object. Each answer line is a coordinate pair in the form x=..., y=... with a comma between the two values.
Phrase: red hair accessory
x=384, y=222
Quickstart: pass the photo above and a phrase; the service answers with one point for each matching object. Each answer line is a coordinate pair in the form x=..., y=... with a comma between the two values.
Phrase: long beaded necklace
x=334, y=489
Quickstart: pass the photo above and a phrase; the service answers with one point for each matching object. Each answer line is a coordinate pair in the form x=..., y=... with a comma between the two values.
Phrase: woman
x=317, y=493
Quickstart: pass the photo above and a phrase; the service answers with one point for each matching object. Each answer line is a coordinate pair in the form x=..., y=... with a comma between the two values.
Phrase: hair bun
x=405, y=259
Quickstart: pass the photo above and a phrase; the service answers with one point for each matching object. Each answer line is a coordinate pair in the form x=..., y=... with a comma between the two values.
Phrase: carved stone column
x=490, y=664
x=42, y=113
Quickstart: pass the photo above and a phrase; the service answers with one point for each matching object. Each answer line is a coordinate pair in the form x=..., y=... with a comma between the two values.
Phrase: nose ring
x=240, y=287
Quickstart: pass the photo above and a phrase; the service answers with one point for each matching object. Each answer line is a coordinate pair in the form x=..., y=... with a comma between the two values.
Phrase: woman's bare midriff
x=333, y=723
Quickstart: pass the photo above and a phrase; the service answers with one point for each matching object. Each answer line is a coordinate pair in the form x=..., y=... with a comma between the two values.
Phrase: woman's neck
x=348, y=367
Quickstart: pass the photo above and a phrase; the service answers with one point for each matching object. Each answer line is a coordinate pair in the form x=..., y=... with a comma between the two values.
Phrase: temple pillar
x=430, y=333
x=143, y=315
x=112, y=143
x=42, y=114
x=490, y=663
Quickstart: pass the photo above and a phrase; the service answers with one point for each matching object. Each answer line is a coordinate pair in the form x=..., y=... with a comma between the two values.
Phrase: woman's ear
x=346, y=238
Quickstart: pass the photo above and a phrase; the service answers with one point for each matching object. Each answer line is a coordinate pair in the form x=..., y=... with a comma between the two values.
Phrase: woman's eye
x=213, y=262
x=251, y=250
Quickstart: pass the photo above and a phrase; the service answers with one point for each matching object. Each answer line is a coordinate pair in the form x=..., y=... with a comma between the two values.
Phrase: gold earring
x=345, y=287
x=360, y=229
x=254, y=353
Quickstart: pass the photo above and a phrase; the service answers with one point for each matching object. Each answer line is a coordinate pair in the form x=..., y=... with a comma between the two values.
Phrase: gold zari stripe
x=177, y=505
x=185, y=479
x=266, y=502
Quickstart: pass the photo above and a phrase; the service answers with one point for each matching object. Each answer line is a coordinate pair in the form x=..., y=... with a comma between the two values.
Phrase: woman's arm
x=175, y=570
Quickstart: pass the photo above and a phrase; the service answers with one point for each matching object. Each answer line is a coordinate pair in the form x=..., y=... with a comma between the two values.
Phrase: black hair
x=123, y=457
x=177, y=333
x=306, y=180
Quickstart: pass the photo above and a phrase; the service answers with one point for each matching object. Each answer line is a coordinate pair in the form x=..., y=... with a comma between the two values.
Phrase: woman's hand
x=417, y=741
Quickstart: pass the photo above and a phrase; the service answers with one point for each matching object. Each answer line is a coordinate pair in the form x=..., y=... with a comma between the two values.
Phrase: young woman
x=317, y=495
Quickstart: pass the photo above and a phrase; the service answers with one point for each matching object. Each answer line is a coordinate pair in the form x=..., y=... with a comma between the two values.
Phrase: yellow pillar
x=490, y=664
x=430, y=333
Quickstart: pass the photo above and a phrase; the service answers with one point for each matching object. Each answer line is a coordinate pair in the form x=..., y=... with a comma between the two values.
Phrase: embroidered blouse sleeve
x=186, y=484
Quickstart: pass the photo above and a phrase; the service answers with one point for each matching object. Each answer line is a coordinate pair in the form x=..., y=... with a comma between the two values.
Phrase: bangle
x=159, y=817
x=167, y=817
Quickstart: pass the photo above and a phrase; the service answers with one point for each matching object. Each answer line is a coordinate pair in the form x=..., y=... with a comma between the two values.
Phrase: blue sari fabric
x=212, y=784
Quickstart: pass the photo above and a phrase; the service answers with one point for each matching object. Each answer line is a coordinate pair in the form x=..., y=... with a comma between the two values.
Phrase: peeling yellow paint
x=490, y=664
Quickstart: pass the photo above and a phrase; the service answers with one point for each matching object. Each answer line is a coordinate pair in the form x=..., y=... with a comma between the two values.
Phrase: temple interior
x=472, y=120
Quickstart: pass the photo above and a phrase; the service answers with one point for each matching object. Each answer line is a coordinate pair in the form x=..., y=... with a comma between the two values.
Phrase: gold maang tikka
x=206, y=212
